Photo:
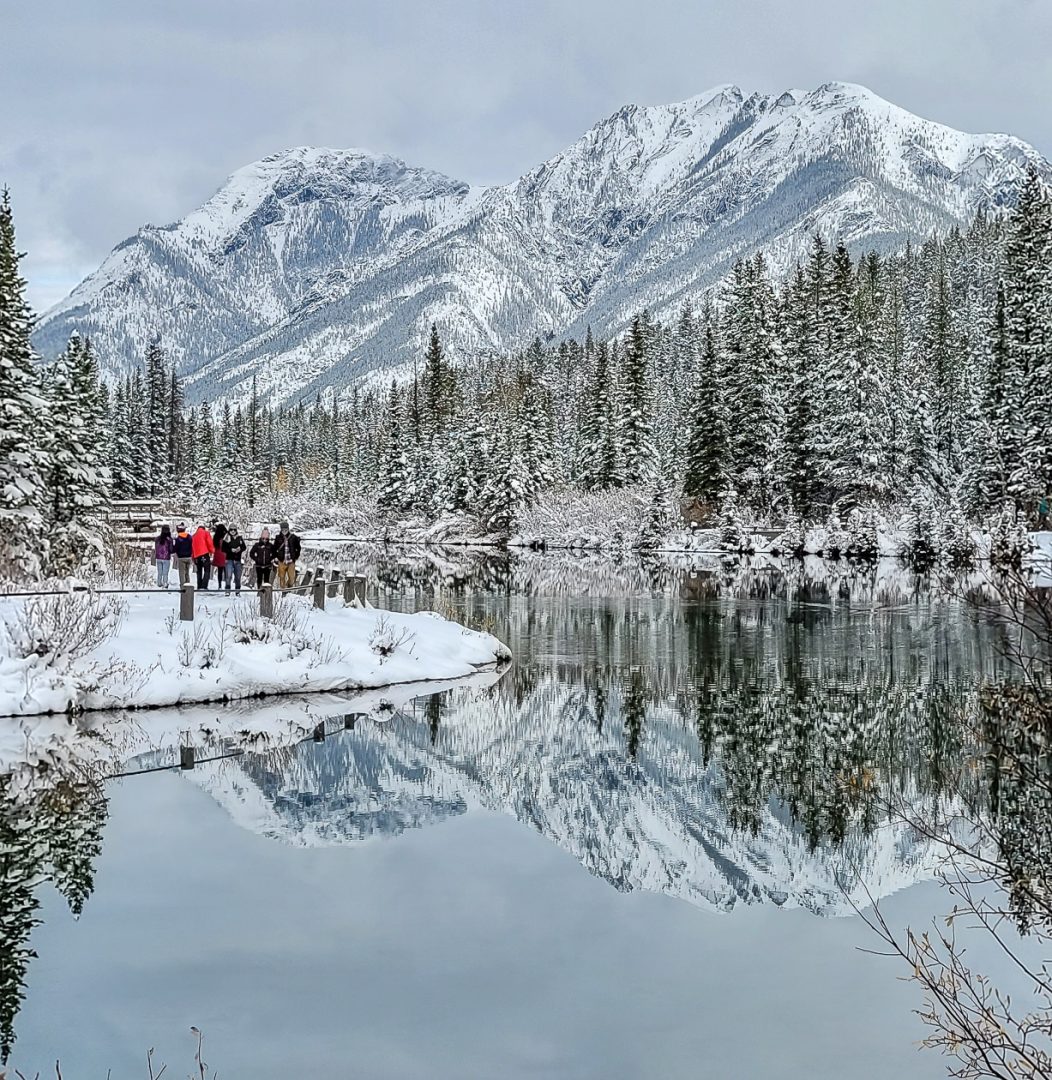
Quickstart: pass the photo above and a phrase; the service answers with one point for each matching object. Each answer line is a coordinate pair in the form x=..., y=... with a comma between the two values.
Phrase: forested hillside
x=855, y=382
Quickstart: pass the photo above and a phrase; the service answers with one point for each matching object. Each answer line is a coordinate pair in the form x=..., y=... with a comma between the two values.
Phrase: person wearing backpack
x=184, y=553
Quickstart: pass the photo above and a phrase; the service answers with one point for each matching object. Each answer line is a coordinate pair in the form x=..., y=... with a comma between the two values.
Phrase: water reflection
x=720, y=732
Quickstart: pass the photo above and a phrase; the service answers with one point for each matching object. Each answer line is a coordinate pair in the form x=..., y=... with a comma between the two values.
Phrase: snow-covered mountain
x=313, y=267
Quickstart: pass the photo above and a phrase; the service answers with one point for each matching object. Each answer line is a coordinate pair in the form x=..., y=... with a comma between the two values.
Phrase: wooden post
x=348, y=590
x=186, y=603
x=319, y=591
x=186, y=757
x=359, y=590
x=266, y=600
x=334, y=577
x=319, y=732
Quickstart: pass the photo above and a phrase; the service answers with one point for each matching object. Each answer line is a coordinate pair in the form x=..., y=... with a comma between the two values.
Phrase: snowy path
x=229, y=652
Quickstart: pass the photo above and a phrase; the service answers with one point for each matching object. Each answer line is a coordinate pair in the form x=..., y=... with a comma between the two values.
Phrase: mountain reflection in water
x=726, y=733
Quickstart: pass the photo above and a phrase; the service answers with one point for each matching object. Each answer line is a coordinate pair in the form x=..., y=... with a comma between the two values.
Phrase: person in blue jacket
x=184, y=553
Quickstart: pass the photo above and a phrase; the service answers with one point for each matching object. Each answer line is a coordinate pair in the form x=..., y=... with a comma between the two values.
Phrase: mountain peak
x=321, y=265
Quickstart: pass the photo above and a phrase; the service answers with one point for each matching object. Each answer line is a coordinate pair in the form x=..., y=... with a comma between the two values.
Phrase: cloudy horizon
x=124, y=116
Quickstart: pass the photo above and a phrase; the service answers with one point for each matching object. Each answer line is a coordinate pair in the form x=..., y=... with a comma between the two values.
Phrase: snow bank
x=228, y=652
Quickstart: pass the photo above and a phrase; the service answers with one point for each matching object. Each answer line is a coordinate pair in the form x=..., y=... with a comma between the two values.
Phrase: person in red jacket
x=203, y=548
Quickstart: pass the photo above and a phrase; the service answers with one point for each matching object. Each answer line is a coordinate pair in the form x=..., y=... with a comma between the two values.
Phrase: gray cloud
x=118, y=113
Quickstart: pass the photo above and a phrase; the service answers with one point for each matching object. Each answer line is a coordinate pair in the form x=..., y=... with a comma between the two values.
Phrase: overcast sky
x=121, y=112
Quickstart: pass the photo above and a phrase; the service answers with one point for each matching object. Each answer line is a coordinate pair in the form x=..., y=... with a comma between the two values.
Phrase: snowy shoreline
x=37, y=751
x=150, y=659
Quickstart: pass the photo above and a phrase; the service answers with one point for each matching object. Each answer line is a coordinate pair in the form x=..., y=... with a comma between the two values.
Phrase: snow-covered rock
x=314, y=267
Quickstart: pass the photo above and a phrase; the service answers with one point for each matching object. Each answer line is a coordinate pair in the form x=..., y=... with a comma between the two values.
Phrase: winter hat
x=284, y=526
x=181, y=526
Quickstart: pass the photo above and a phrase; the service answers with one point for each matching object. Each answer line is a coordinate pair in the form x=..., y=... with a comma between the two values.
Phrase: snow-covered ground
x=55, y=658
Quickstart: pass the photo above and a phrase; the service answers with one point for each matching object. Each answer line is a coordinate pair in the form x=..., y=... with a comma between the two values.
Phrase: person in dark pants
x=203, y=549
x=262, y=554
x=234, y=549
x=184, y=553
x=219, y=555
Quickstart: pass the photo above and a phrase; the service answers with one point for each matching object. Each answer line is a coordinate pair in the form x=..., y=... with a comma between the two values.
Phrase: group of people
x=223, y=549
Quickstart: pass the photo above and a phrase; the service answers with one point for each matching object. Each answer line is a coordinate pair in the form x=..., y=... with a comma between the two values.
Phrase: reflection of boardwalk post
x=319, y=732
x=186, y=603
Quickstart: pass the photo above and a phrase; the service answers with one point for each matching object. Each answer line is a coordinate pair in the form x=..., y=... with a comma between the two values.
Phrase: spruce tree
x=635, y=442
x=705, y=475
x=23, y=420
x=78, y=479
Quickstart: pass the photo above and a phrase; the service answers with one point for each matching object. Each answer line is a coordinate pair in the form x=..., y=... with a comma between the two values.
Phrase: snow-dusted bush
x=920, y=532
x=863, y=528
x=957, y=540
x=657, y=521
x=582, y=520
x=792, y=540
x=1009, y=539
x=385, y=639
x=61, y=629
x=837, y=540
x=44, y=643
x=734, y=536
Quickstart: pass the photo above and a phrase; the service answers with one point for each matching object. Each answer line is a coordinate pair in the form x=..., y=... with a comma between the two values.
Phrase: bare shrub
x=65, y=628
x=386, y=638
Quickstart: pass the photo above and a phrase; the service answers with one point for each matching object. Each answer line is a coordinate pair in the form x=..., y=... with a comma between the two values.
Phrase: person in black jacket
x=234, y=549
x=286, y=552
x=262, y=554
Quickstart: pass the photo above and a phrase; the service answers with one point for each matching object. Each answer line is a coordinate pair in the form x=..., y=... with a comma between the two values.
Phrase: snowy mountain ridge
x=313, y=267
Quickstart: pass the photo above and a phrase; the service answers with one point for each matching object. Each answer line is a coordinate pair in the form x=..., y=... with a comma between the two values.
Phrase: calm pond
x=632, y=855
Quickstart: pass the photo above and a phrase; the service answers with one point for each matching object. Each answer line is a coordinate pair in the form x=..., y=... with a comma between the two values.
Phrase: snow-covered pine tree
x=636, y=444
x=535, y=436
x=705, y=475
x=1028, y=317
x=158, y=419
x=803, y=408
x=78, y=479
x=752, y=366
x=23, y=458
x=996, y=438
x=506, y=490
x=600, y=468
x=396, y=492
